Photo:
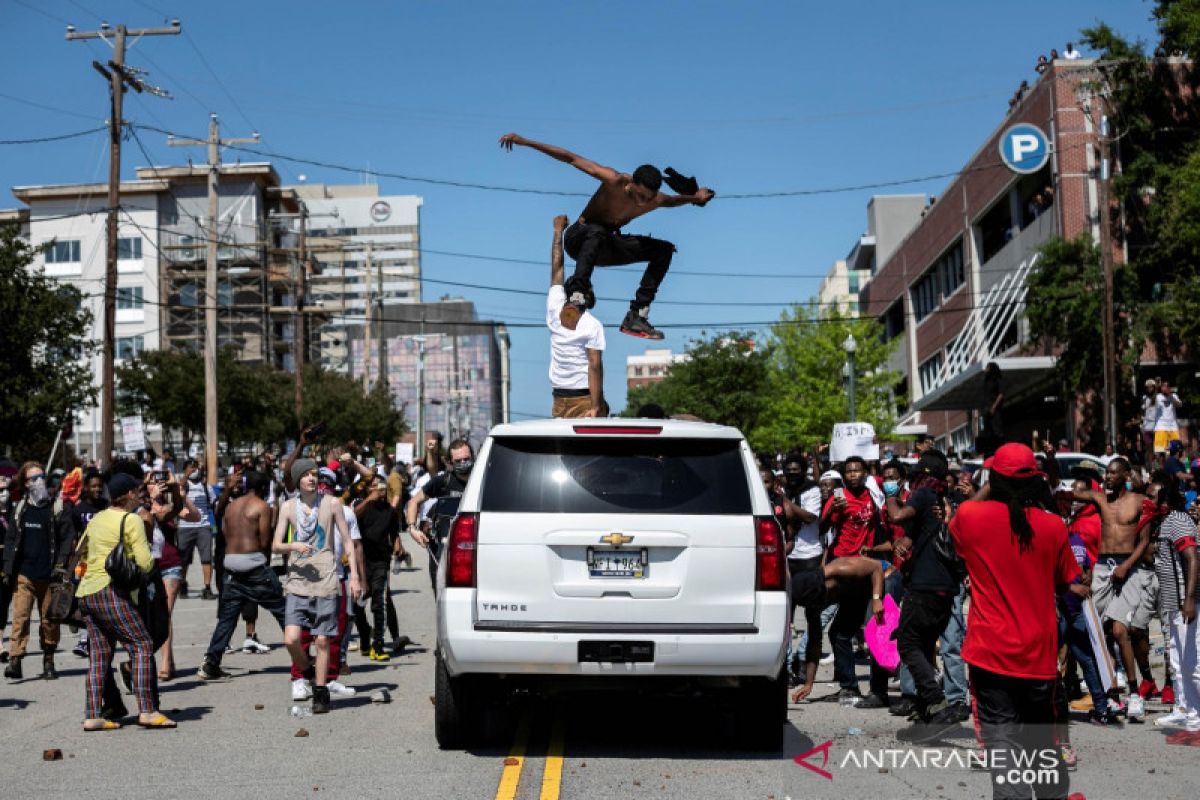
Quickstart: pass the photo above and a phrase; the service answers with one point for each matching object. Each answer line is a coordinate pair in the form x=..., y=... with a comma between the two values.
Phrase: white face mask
x=38, y=493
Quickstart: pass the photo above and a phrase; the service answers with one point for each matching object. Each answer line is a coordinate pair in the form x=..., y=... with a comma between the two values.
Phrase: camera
x=160, y=476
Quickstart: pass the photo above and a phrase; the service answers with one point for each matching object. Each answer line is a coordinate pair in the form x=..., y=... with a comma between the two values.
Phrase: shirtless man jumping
x=595, y=239
x=1124, y=587
x=248, y=575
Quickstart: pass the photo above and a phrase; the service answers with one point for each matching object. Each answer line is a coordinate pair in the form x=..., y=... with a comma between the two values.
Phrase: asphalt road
x=581, y=747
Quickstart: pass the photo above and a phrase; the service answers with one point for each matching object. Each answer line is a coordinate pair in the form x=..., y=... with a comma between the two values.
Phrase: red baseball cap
x=1015, y=460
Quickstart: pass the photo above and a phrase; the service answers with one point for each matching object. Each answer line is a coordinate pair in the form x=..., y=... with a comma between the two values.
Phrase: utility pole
x=215, y=143
x=1111, y=383
x=421, y=385
x=382, y=343
x=118, y=76
x=366, y=323
x=300, y=340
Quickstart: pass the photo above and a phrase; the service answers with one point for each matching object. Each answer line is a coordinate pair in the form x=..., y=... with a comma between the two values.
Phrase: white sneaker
x=826, y=660
x=1176, y=719
x=341, y=689
x=1193, y=723
x=254, y=646
x=301, y=689
x=1136, y=710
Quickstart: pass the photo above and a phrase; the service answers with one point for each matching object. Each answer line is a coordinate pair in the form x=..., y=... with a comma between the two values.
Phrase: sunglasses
x=34, y=478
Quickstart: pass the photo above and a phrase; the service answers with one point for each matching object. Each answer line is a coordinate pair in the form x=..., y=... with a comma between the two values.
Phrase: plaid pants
x=111, y=617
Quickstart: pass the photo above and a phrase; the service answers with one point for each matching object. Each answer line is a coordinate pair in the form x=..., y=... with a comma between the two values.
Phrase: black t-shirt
x=929, y=571
x=379, y=525
x=37, y=533
x=443, y=484
x=82, y=514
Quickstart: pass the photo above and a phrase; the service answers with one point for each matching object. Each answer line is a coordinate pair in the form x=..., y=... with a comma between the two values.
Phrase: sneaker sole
x=641, y=335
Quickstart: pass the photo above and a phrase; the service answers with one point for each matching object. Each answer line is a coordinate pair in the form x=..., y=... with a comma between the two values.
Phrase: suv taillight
x=769, y=556
x=460, y=551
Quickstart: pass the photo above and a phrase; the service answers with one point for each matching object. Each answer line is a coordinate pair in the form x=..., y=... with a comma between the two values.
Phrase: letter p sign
x=1024, y=148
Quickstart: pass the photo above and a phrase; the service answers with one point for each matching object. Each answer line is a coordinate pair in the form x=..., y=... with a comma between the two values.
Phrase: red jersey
x=1012, y=628
x=855, y=525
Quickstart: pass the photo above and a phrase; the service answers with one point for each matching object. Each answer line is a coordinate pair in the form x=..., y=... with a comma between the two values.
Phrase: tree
x=805, y=393
x=722, y=381
x=46, y=334
x=349, y=413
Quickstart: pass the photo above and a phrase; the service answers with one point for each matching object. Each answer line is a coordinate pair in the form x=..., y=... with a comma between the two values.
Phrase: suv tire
x=757, y=721
x=457, y=712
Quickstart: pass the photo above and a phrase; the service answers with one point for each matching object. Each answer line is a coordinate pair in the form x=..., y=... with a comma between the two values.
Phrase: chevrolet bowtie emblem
x=616, y=539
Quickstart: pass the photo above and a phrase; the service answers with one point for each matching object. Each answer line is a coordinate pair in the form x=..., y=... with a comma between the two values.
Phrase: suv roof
x=618, y=426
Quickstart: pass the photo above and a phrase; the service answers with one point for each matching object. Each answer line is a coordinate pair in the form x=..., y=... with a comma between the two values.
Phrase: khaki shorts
x=1132, y=603
x=574, y=407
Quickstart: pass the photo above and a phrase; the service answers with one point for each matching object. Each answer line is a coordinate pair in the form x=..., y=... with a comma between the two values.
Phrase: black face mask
x=463, y=468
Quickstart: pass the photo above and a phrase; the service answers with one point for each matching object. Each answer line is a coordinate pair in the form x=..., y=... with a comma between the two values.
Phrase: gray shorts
x=319, y=615
x=198, y=538
x=1132, y=603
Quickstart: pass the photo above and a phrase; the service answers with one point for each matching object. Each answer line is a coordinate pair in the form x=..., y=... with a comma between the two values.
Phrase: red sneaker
x=1168, y=695
x=1148, y=689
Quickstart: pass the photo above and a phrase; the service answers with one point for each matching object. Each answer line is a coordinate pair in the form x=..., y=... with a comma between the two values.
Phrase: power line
x=59, y=138
x=45, y=107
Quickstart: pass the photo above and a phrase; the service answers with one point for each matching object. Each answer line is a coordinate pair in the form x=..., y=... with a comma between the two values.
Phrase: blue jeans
x=954, y=670
x=259, y=586
x=1072, y=628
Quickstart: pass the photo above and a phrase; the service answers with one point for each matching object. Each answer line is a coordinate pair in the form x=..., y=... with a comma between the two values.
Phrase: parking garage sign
x=1024, y=148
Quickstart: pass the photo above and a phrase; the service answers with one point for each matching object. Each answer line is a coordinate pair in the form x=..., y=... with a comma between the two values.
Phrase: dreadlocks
x=1020, y=495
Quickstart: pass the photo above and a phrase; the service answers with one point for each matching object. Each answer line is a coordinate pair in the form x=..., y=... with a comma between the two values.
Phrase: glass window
x=928, y=373
x=584, y=475
x=852, y=281
x=129, y=346
x=188, y=294
x=63, y=252
x=129, y=249
x=224, y=293
x=939, y=282
x=129, y=297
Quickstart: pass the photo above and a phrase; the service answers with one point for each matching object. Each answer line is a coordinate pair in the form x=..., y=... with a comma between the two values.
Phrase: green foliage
x=723, y=381
x=786, y=391
x=254, y=403
x=46, y=375
x=806, y=393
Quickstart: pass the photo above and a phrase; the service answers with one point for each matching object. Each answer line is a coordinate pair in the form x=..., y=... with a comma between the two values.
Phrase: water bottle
x=301, y=711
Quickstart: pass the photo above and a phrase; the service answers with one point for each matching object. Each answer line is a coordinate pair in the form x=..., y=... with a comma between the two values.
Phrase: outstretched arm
x=556, y=251
x=595, y=380
x=700, y=198
x=597, y=171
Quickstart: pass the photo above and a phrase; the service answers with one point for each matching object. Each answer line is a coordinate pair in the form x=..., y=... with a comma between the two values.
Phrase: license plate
x=617, y=563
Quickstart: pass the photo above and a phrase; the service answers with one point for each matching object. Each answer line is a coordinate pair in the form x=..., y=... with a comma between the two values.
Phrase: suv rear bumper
x=535, y=648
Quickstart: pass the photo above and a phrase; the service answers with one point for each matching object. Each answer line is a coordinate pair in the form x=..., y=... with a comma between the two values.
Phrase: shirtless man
x=840, y=580
x=1124, y=588
x=595, y=239
x=249, y=578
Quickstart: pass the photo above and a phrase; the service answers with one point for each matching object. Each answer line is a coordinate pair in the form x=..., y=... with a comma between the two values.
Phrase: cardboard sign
x=853, y=439
x=404, y=452
x=1095, y=628
x=133, y=433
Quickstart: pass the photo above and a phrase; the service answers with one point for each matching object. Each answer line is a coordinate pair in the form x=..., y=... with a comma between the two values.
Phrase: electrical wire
x=60, y=138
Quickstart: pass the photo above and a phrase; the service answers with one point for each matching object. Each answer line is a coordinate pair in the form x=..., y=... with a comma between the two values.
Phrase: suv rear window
x=585, y=475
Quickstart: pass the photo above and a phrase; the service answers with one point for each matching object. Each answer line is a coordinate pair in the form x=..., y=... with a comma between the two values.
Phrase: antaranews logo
x=823, y=749
x=1038, y=767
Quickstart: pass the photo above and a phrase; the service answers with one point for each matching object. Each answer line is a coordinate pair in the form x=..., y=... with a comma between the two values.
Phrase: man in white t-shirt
x=1166, y=423
x=576, y=345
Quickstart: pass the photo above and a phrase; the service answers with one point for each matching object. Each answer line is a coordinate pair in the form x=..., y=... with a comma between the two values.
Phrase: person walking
x=109, y=611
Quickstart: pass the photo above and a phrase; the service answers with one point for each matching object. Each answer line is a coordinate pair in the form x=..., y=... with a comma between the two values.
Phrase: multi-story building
x=953, y=290
x=651, y=366
x=368, y=247
x=446, y=368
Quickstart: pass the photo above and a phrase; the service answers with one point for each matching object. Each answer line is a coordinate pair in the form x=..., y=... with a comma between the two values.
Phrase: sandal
x=159, y=721
x=105, y=725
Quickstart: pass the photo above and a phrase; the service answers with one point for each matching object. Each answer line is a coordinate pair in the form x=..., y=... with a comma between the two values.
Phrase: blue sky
x=751, y=97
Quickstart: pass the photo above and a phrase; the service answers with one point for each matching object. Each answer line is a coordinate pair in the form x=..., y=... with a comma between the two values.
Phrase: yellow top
x=103, y=534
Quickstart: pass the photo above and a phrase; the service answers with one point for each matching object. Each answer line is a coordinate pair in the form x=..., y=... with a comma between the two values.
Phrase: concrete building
x=953, y=290
x=651, y=366
x=839, y=289
x=889, y=220
x=441, y=359
x=368, y=248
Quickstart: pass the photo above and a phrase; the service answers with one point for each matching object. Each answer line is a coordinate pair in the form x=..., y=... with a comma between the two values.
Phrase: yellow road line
x=510, y=778
x=552, y=773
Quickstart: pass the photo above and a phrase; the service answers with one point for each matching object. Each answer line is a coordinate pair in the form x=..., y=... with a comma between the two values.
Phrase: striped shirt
x=1178, y=532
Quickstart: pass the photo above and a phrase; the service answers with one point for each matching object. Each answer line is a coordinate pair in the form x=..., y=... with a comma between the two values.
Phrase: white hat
x=831, y=475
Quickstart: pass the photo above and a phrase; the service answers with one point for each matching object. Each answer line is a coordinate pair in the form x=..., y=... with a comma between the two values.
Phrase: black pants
x=923, y=617
x=598, y=246
x=1016, y=719
x=381, y=604
x=258, y=587
x=845, y=625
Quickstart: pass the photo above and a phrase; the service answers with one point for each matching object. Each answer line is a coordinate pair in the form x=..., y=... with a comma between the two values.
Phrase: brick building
x=953, y=291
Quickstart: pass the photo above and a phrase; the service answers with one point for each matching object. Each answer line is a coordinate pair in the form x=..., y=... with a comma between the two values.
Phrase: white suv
x=607, y=549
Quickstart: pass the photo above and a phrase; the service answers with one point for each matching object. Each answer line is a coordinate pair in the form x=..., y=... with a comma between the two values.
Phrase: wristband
x=876, y=597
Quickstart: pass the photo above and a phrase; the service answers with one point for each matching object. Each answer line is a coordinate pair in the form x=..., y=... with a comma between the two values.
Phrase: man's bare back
x=618, y=202
x=247, y=526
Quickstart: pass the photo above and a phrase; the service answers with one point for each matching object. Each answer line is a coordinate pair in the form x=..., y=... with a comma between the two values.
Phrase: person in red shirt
x=1085, y=518
x=1017, y=555
x=855, y=520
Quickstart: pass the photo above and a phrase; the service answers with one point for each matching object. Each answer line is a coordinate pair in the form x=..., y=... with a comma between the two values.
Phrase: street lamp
x=851, y=347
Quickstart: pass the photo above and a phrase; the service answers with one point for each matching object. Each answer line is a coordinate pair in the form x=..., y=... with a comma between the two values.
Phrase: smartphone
x=160, y=476
x=839, y=493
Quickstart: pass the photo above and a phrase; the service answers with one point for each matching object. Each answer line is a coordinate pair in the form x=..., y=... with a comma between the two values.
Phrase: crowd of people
x=996, y=572
x=312, y=540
